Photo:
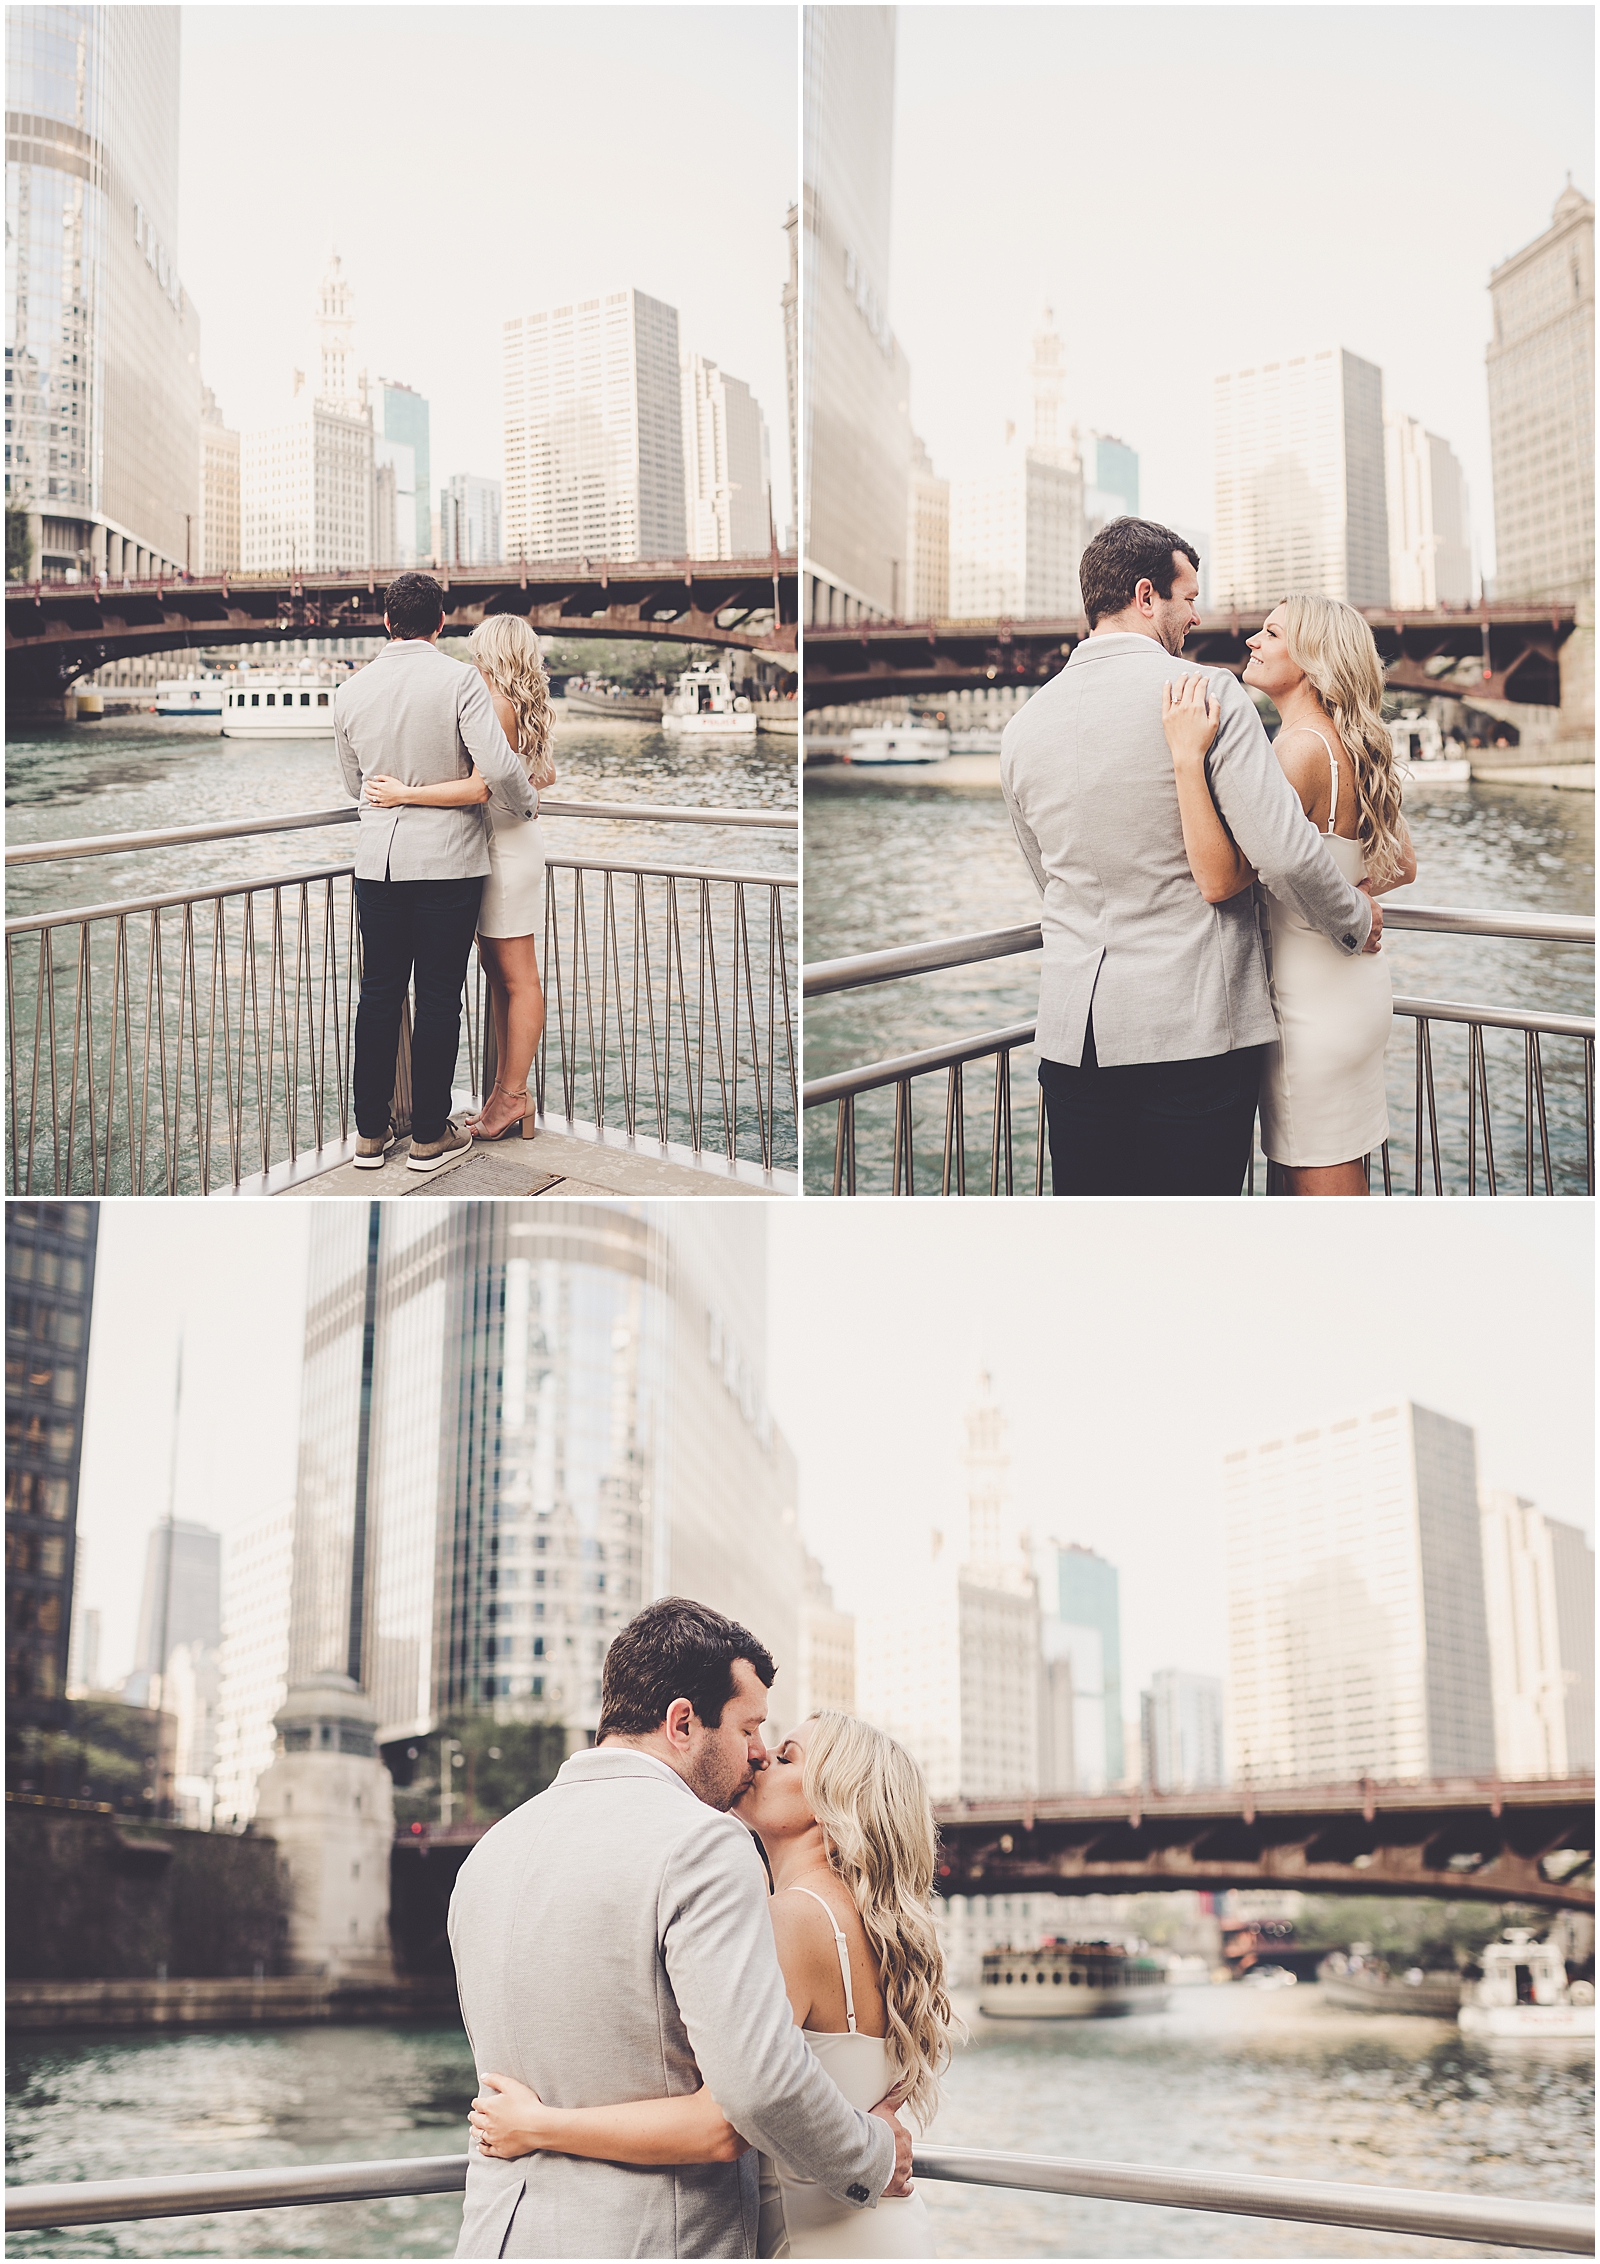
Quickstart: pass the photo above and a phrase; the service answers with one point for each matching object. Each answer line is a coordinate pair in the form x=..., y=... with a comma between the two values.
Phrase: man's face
x=724, y=1762
x=1175, y=616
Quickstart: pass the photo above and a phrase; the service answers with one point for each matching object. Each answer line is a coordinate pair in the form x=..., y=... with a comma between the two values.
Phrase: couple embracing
x=701, y=1979
x=1209, y=917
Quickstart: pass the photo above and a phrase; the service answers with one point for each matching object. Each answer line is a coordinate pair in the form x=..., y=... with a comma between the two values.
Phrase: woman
x=845, y=1819
x=1323, y=1108
x=511, y=915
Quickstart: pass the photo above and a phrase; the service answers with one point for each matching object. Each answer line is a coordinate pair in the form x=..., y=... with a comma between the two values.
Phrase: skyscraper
x=791, y=367
x=949, y=1663
x=1079, y=1594
x=1541, y=409
x=306, y=489
x=1110, y=479
x=827, y=1650
x=1017, y=529
x=594, y=431
x=927, y=540
x=857, y=381
x=470, y=521
x=257, y=1592
x=217, y=549
x=102, y=342
x=400, y=441
x=179, y=1604
x=50, y=1253
x=1430, y=531
x=727, y=470
x=519, y=1422
x=1180, y=1720
x=1539, y=1593
x=1357, y=1639
x=1300, y=495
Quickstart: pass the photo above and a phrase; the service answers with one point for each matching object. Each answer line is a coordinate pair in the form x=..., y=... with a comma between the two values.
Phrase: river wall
x=93, y=1898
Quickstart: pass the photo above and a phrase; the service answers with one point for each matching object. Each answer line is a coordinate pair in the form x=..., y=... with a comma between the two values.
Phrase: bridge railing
x=185, y=1042
x=1485, y=1080
x=1563, y=2228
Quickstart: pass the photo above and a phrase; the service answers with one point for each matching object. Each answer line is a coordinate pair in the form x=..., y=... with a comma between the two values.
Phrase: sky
x=471, y=163
x=1132, y=1344
x=1194, y=188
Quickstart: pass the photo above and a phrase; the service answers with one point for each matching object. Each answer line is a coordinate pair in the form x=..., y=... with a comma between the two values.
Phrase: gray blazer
x=1088, y=779
x=419, y=716
x=612, y=1942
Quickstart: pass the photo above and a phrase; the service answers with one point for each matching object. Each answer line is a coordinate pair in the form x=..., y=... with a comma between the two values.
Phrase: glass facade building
x=1082, y=1592
x=1541, y=409
x=1358, y=1641
x=400, y=425
x=519, y=1422
x=1300, y=490
x=102, y=343
x=857, y=381
x=50, y=1253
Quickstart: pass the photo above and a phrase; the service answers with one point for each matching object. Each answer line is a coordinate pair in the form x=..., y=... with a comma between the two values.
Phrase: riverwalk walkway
x=564, y=1158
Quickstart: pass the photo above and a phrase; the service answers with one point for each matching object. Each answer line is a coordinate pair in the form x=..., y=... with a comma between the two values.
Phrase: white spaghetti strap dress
x=513, y=895
x=1322, y=1089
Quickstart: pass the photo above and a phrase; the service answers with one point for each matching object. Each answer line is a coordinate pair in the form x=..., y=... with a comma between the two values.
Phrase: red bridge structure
x=1495, y=652
x=58, y=631
x=1462, y=1840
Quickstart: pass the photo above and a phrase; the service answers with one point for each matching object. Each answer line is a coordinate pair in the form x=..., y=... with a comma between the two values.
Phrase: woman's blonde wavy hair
x=871, y=1800
x=1334, y=646
x=507, y=651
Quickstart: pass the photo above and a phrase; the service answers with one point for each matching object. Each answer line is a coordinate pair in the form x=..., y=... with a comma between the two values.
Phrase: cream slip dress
x=1322, y=1088
x=513, y=895
x=801, y=2218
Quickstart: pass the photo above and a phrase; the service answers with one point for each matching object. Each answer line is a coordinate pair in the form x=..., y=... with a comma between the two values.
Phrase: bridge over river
x=1488, y=652
x=1462, y=1839
x=58, y=631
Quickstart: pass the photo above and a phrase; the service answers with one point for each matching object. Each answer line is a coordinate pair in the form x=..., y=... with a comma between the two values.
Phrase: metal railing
x=954, y=1057
x=1566, y=2228
x=181, y=1043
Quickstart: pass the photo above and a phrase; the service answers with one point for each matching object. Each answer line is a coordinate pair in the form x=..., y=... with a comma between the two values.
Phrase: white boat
x=1070, y=1981
x=1525, y=1992
x=190, y=695
x=278, y=707
x=898, y=743
x=1419, y=744
x=705, y=706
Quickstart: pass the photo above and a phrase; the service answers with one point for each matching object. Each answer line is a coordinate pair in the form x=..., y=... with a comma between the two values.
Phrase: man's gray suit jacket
x=1088, y=779
x=612, y=1942
x=415, y=714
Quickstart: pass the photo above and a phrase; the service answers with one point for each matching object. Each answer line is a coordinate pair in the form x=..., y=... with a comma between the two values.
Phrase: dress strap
x=1333, y=765
x=843, y=1947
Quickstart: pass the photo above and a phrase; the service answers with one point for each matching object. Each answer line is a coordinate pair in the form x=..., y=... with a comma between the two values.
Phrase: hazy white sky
x=1194, y=187
x=475, y=162
x=1132, y=1344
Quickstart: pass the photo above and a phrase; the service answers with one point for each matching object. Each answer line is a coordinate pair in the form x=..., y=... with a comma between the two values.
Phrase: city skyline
x=434, y=289
x=1206, y=278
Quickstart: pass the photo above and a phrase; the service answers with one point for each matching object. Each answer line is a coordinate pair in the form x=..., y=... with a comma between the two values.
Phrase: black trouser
x=1151, y=1127
x=427, y=925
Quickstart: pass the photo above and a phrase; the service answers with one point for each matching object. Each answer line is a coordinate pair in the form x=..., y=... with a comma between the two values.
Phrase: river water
x=896, y=864
x=1275, y=2085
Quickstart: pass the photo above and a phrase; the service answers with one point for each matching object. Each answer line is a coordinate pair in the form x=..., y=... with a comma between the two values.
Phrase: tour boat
x=190, y=695
x=1419, y=744
x=278, y=707
x=704, y=706
x=1070, y=1981
x=622, y=707
x=897, y=743
x=1525, y=1992
x=1358, y=1983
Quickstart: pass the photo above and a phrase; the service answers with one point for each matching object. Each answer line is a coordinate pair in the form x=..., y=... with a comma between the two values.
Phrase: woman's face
x=1269, y=668
x=775, y=1806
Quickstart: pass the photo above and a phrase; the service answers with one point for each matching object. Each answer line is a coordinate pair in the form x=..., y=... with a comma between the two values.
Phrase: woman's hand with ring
x=1190, y=719
x=504, y=2117
x=382, y=792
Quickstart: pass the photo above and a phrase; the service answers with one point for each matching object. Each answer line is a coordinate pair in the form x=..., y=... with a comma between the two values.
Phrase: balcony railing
x=184, y=1043
x=1562, y=2227
x=1481, y=1164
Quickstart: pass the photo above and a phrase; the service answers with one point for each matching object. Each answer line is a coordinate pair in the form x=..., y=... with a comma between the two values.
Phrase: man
x=425, y=719
x=1154, y=1006
x=612, y=1942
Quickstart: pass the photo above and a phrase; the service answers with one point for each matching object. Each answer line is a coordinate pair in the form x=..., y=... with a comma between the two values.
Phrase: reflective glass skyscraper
x=519, y=1422
x=102, y=343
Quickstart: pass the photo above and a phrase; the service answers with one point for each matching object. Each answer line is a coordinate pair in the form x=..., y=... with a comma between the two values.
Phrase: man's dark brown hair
x=674, y=1648
x=1123, y=555
x=414, y=604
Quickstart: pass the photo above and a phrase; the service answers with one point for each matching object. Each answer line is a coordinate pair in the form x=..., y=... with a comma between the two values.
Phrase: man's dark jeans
x=429, y=925
x=1151, y=1127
